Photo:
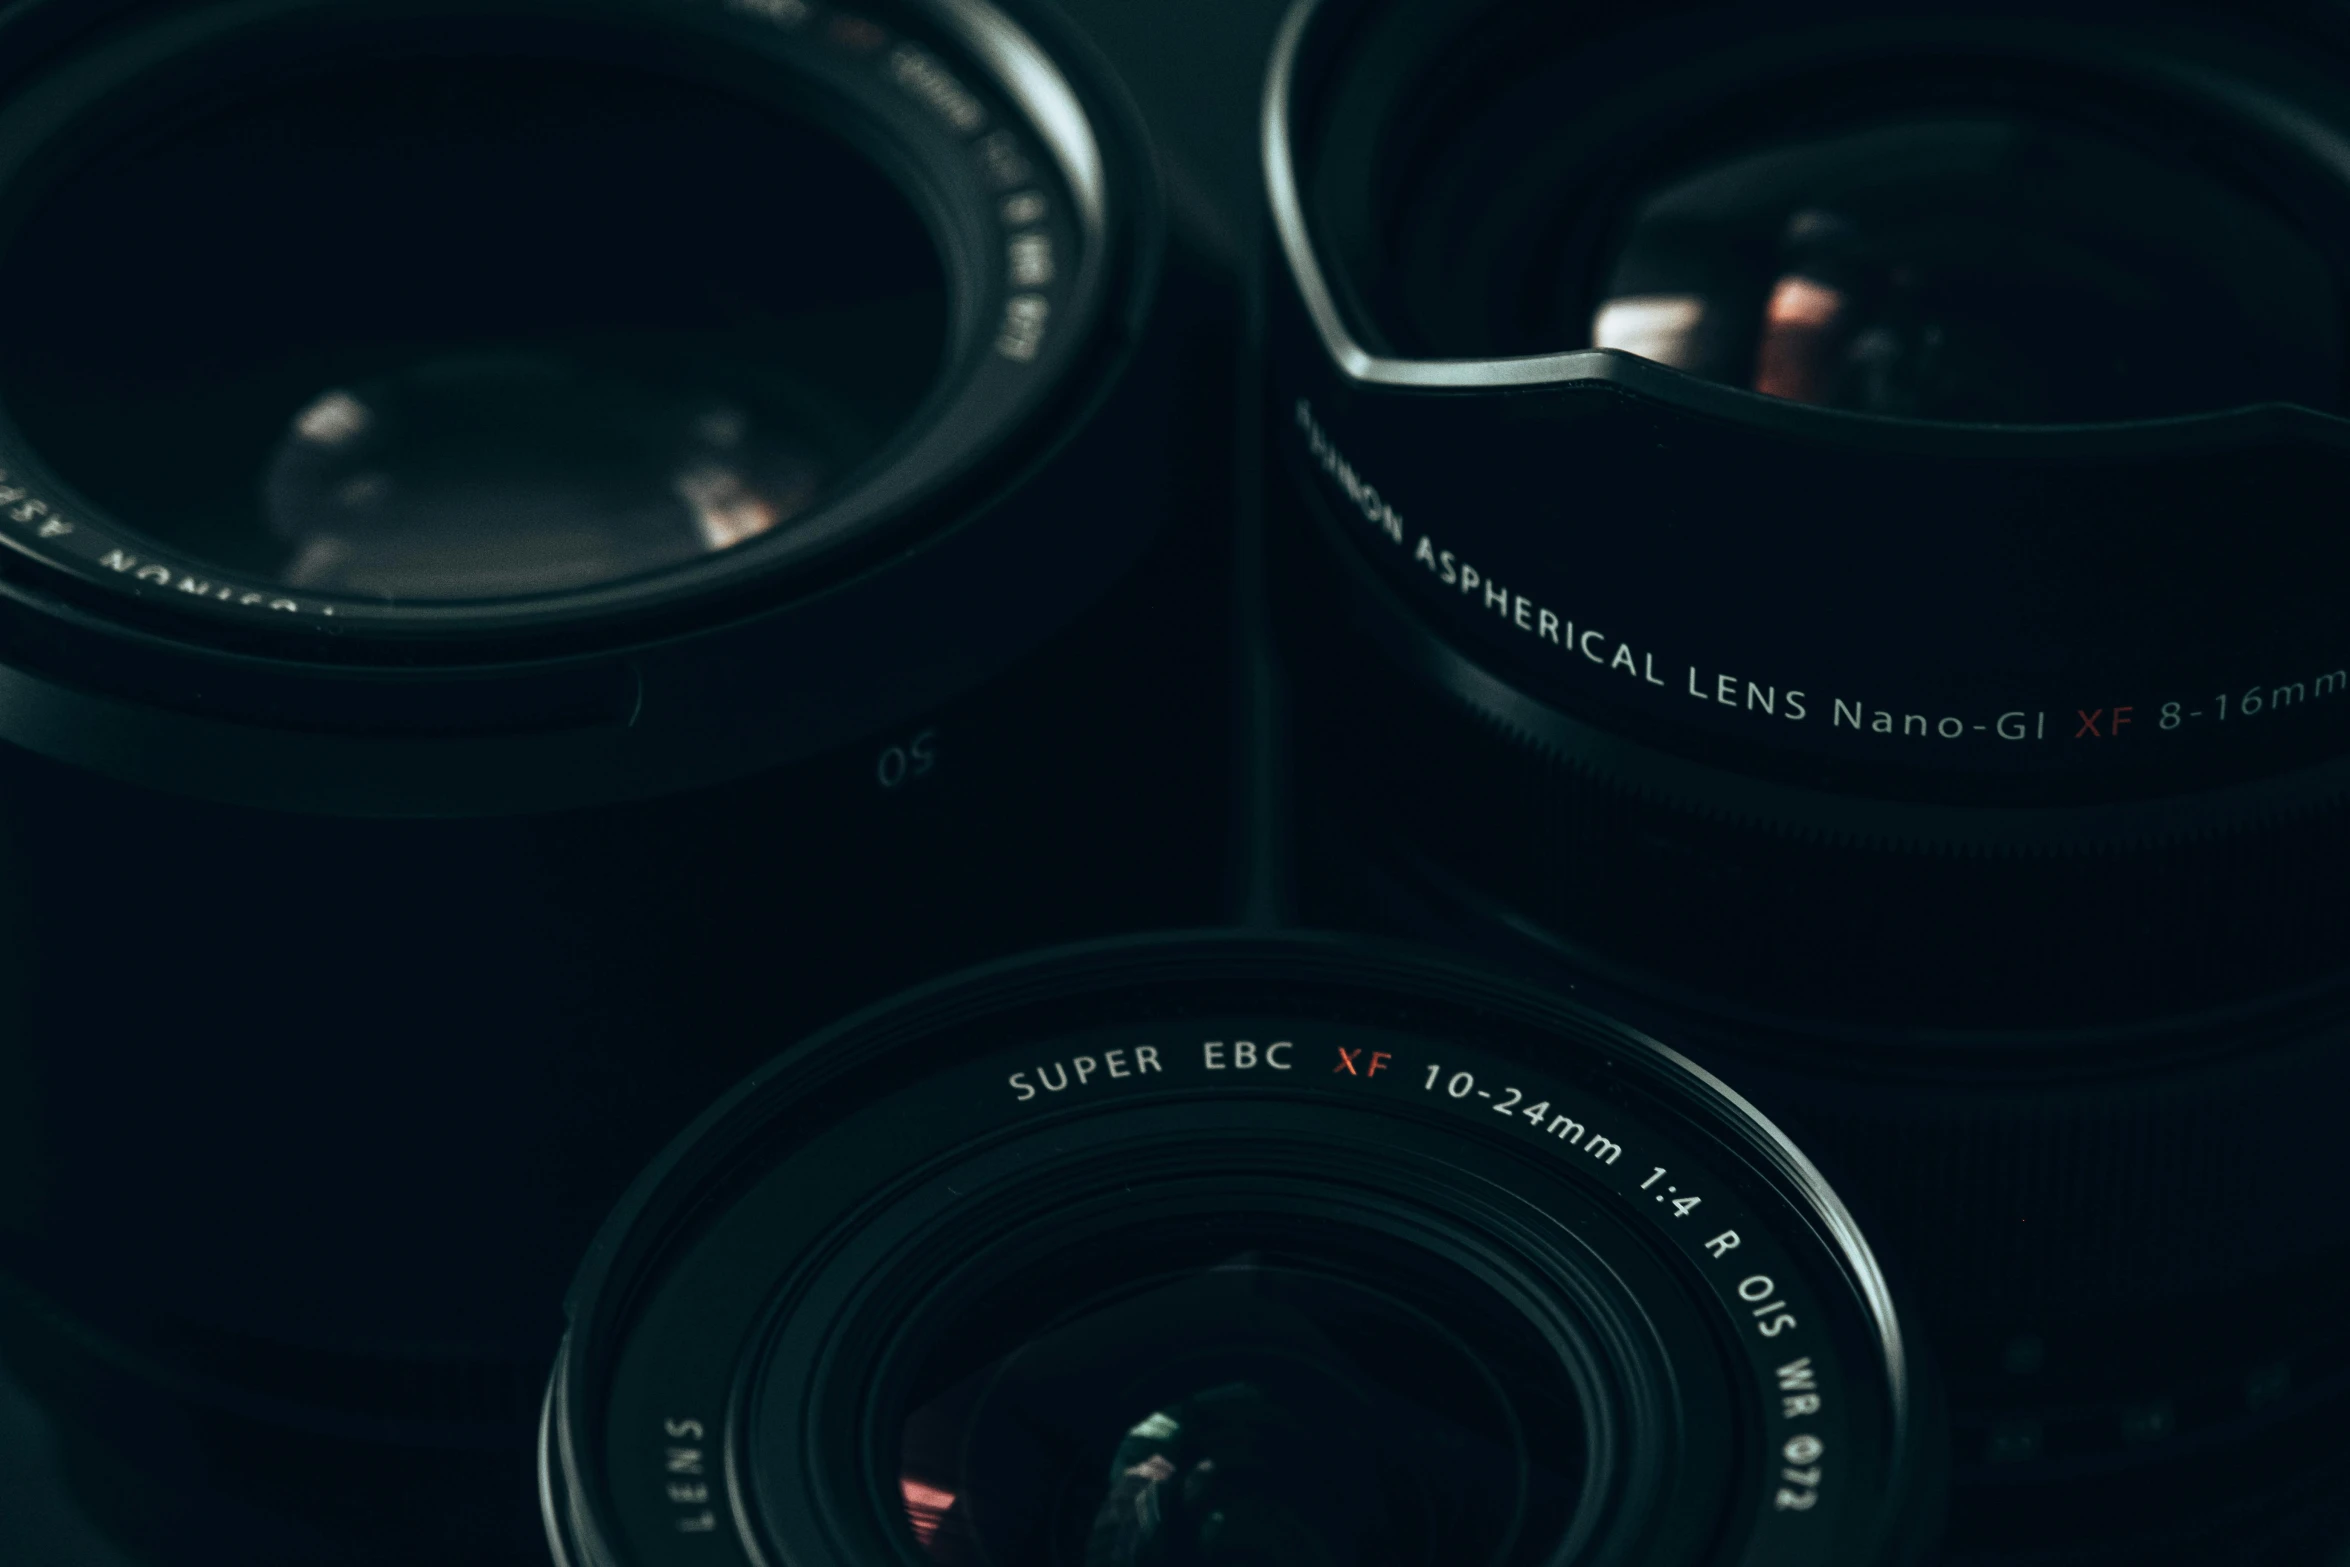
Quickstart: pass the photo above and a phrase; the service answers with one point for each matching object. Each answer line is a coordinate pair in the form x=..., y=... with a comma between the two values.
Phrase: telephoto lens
x=1815, y=523
x=545, y=540
x=1233, y=1249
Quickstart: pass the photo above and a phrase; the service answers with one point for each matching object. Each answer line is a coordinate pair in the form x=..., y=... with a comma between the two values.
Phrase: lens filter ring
x=1293, y=1245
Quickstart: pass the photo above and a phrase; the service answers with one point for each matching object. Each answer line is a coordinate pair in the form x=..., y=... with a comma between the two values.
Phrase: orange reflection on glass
x=927, y=1507
x=728, y=509
x=1795, y=358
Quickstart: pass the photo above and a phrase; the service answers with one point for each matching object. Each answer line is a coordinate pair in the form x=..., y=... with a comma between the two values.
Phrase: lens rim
x=1642, y=1410
x=1048, y=996
x=984, y=410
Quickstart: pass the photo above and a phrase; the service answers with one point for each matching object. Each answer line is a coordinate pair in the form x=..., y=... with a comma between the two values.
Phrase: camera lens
x=545, y=543
x=524, y=322
x=1816, y=526
x=1233, y=1250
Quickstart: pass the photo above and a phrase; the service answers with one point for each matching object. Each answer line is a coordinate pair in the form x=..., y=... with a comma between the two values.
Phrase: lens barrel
x=1717, y=567
x=734, y=470
x=1232, y=1249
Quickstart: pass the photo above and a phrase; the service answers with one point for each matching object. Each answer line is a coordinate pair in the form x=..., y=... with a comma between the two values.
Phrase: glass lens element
x=463, y=323
x=1245, y=1414
x=1991, y=267
x=477, y=477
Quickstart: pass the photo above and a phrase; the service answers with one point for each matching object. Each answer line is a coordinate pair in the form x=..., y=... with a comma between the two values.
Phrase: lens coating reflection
x=476, y=477
x=464, y=325
x=1252, y=1411
x=1994, y=267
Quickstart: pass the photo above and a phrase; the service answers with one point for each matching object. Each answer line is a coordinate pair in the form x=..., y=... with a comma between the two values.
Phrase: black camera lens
x=1233, y=1250
x=1816, y=524
x=543, y=543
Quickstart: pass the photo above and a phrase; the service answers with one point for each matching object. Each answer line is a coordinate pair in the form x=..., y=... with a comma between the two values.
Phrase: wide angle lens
x=1816, y=526
x=1234, y=1251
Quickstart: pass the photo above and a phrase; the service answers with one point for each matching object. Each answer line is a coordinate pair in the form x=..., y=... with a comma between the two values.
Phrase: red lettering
x=2089, y=724
x=1346, y=1061
x=2121, y=716
x=1379, y=1059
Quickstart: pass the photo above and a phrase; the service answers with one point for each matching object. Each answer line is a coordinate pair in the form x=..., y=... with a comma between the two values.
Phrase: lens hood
x=1865, y=685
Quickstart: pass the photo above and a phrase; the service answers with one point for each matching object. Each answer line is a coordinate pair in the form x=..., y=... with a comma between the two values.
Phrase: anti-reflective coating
x=1988, y=266
x=1245, y=1408
x=462, y=325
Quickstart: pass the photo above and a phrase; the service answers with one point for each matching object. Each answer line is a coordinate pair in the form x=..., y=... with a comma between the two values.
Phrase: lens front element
x=1250, y=1408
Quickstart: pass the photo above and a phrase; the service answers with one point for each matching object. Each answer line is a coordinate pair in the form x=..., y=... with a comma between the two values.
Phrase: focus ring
x=1836, y=913
x=2092, y=1195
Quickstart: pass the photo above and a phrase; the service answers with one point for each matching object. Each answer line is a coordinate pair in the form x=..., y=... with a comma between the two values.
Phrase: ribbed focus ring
x=2013, y=1197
